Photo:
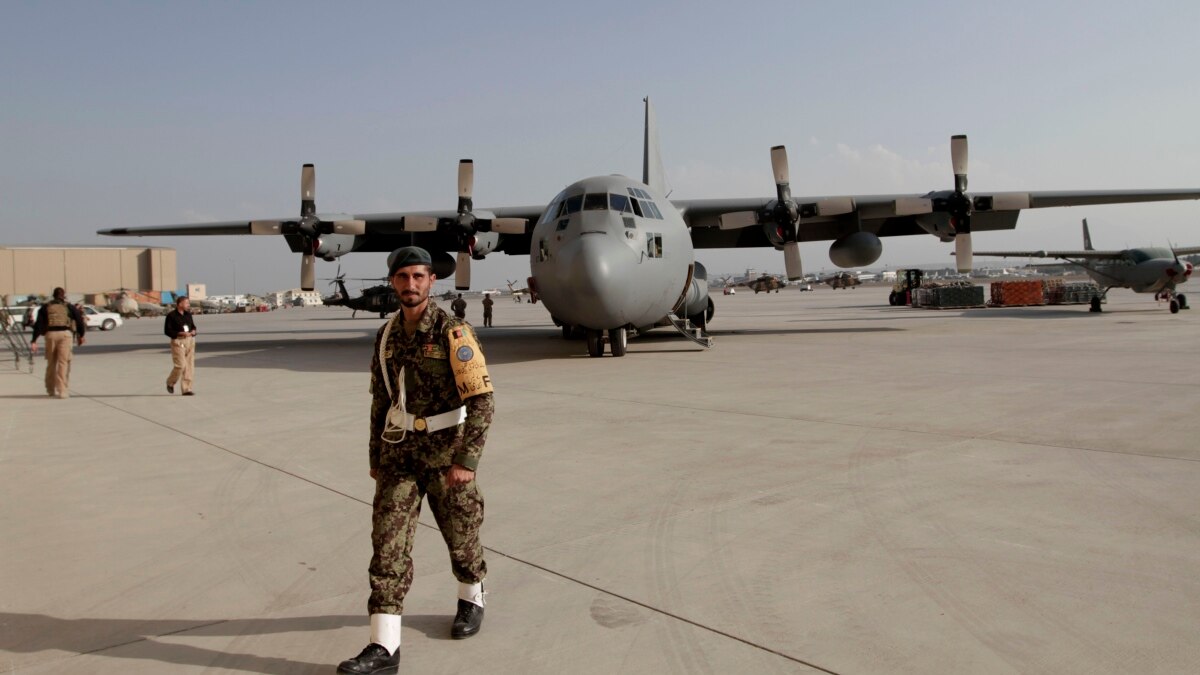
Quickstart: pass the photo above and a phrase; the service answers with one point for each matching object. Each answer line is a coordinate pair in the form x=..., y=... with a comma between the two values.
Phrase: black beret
x=409, y=255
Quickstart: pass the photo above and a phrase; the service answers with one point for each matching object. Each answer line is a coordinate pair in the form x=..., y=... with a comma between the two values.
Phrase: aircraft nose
x=597, y=269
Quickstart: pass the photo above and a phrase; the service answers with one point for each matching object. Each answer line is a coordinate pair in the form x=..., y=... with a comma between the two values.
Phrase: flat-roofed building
x=29, y=270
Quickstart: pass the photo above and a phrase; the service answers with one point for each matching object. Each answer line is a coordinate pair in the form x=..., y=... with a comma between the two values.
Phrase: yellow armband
x=466, y=360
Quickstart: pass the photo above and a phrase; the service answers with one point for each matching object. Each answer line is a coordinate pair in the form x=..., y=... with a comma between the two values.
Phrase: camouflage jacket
x=431, y=389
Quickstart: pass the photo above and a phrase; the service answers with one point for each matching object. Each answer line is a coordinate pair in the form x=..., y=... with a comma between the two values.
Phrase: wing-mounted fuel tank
x=857, y=249
x=694, y=302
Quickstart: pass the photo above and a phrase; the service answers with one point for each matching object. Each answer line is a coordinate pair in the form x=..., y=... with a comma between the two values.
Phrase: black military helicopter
x=381, y=299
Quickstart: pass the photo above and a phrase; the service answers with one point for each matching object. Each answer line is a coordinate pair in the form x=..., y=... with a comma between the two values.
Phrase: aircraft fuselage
x=1141, y=270
x=609, y=253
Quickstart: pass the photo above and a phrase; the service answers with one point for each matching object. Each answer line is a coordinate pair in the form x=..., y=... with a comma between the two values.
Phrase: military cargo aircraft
x=1142, y=270
x=611, y=254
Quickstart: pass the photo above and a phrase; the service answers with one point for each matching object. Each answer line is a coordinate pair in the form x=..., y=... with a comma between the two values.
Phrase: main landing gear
x=617, y=339
x=618, y=342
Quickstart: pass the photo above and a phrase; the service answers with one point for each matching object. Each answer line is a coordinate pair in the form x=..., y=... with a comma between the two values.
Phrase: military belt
x=430, y=424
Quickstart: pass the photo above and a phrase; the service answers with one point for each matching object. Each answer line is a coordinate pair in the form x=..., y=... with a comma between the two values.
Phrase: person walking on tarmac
x=59, y=321
x=181, y=328
x=487, y=311
x=460, y=307
x=431, y=407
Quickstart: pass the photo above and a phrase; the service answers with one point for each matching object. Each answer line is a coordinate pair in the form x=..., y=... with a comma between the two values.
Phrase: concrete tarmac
x=836, y=486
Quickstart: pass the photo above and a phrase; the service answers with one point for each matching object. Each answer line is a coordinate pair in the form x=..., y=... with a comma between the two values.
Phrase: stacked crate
x=957, y=296
x=1017, y=293
x=920, y=296
x=1059, y=292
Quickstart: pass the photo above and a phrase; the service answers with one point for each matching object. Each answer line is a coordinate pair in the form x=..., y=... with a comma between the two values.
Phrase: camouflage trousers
x=459, y=515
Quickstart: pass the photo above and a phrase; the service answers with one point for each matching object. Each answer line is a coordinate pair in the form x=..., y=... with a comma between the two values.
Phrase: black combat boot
x=374, y=660
x=467, y=621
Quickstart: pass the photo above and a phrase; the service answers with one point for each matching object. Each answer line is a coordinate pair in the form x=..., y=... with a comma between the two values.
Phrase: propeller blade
x=308, y=272
x=266, y=227
x=737, y=220
x=308, y=190
x=350, y=226
x=791, y=261
x=963, y=255
x=420, y=223
x=509, y=225
x=912, y=206
x=779, y=164
x=958, y=160
x=462, y=271
x=466, y=178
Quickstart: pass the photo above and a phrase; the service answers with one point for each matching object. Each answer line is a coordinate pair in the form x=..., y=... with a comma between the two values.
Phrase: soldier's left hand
x=459, y=475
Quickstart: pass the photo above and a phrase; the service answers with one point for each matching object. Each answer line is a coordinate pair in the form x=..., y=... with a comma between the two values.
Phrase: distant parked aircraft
x=1142, y=270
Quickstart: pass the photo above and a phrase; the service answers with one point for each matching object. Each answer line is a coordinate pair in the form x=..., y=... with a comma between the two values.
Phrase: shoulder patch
x=470, y=370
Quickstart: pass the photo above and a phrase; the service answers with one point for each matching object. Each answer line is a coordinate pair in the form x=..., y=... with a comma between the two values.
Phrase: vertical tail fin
x=652, y=168
x=1087, y=237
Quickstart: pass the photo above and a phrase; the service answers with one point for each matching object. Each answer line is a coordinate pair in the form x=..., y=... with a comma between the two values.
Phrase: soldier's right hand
x=374, y=474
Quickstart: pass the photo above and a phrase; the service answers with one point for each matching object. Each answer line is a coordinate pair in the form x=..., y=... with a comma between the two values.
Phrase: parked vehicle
x=95, y=318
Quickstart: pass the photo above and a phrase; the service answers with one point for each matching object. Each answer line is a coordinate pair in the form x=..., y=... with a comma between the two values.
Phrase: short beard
x=414, y=300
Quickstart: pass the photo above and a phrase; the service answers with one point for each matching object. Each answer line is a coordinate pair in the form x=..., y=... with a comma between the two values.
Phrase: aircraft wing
x=725, y=223
x=1065, y=255
x=1186, y=250
x=383, y=231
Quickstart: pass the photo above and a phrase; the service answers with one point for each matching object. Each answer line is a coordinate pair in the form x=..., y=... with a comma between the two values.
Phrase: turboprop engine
x=857, y=249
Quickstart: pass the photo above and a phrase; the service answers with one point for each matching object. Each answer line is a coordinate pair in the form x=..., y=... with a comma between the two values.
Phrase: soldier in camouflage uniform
x=59, y=321
x=431, y=406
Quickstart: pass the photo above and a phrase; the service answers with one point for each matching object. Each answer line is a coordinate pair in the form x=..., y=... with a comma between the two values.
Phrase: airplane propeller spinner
x=786, y=213
x=466, y=224
x=959, y=205
x=310, y=226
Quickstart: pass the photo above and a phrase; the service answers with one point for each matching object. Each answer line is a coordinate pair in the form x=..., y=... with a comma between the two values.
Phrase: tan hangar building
x=27, y=270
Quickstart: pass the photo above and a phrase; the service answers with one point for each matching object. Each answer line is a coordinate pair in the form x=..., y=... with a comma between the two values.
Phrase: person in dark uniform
x=181, y=328
x=487, y=311
x=431, y=406
x=59, y=321
x=460, y=307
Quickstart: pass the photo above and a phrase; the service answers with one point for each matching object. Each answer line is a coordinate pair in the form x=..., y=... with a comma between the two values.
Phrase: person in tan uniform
x=59, y=322
x=181, y=328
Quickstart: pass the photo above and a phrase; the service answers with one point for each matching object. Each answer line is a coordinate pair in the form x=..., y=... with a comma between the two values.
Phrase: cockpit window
x=653, y=209
x=551, y=211
x=637, y=208
x=1141, y=255
x=595, y=202
x=619, y=203
x=573, y=203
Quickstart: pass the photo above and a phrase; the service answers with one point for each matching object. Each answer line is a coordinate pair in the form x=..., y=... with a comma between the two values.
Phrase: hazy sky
x=149, y=113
